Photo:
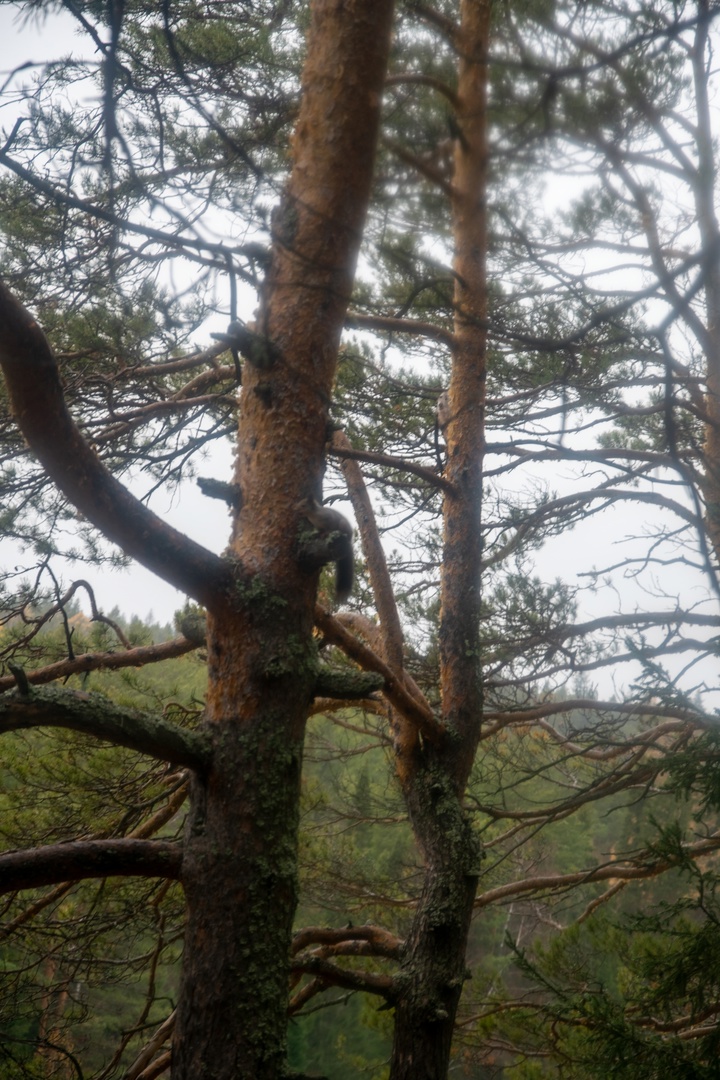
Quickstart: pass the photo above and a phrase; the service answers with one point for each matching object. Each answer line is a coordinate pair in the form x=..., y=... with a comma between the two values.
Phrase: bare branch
x=382, y=942
x=415, y=78
x=145, y=1058
x=82, y=859
x=430, y=476
x=366, y=981
x=557, y=708
x=187, y=244
x=358, y=320
x=428, y=169
x=104, y=661
x=34, y=909
x=417, y=711
x=615, y=871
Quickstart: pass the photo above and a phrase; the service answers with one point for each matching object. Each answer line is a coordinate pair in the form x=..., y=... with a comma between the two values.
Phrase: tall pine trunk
x=704, y=191
x=239, y=870
x=434, y=964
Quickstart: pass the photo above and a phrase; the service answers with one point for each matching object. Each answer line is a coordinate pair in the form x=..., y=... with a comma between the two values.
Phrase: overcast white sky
x=135, y=591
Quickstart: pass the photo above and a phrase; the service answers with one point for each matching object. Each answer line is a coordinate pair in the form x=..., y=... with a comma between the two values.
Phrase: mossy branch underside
x=92, y=714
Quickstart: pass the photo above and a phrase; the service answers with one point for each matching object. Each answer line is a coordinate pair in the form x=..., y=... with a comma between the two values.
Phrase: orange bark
x=239, y=869
x=435, y=950
x=460, y=598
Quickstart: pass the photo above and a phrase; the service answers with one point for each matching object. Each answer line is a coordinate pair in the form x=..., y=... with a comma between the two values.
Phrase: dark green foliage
x=634, y=995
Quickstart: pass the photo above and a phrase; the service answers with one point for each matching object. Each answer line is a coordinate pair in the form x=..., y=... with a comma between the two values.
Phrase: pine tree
x=475, y=362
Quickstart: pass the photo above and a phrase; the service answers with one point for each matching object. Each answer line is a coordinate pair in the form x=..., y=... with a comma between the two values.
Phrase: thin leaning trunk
x=434, y=964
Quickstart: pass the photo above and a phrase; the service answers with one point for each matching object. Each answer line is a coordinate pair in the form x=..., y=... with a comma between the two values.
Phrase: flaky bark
x=239, y=869
x=465, y=432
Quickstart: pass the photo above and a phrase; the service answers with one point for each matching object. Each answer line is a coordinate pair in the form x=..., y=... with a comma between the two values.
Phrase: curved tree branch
x=357, y=320
x=415, y=78
x=367, y=981
x=93, y=714
x=346, y=940
x=614, y=871
x=533, y=713
x=82, y=859
x=38, y=404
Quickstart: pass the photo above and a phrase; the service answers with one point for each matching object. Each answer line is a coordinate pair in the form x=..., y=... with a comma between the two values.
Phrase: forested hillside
x=423, y=780
x=98, y=968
